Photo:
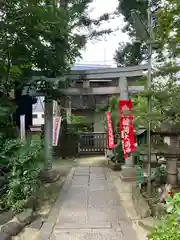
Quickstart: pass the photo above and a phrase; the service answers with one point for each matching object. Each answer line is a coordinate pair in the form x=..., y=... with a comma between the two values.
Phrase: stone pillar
x=172, y=170
x=129, y=172
x=68, y=110
x=56, y=109
x=123, y=87
x=86, y=83
x=48, y=132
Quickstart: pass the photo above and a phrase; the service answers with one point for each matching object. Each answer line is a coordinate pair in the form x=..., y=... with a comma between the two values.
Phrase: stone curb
x=30, y=232
x=27, y=234
x=149, y=223
x=17, y=224
x=47, y=228
x=126, y=200
x=140, y=204
x=141, y=233
x=6, y=217
x=113, y=166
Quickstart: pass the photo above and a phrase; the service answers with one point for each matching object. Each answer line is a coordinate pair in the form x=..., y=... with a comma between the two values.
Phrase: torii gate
x=122, y=74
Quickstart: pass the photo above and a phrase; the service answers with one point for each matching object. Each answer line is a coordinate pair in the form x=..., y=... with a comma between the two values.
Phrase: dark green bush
x=168, y=230
x=170, y=225
x=21, y=164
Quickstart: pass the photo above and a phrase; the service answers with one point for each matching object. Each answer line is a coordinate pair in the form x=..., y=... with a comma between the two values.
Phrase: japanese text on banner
x=126, y=127
x=110, y=138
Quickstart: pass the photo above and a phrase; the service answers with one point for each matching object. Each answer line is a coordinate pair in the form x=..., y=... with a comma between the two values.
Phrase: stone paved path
x=90, y=209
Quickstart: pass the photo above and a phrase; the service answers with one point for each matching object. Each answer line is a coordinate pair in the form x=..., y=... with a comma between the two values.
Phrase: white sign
x=22, y=127
x=56, y=130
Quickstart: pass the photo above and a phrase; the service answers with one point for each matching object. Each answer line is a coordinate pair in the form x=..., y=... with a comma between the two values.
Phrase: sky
x=102, y=51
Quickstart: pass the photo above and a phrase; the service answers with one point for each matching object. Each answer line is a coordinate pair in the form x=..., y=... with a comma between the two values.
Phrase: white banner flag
x=22, y=127
x=56, y=130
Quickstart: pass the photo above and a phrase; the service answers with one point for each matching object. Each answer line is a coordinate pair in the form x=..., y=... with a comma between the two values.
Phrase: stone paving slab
x=77, y=192
x=97, y=187
x=114, y=215
x=95, y=176
x=91, y=235
x=99, y=182
x=73, y=217
x=80, y=180
x=95, y=214
x=71, y=205
x=84, y=225
x=81, y=172
x=90, y=209
x=96, y=170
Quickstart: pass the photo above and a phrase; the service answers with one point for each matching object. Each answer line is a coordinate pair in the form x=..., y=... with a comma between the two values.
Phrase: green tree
x=130, y=54
x=168, y=27
x=165, y=105
x=165, y=27
x=44, y=36
x=133, y=52
x=165, y=59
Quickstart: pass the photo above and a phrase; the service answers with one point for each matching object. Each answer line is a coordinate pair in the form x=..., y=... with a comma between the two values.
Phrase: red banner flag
x=126, y=127
x=109, y=136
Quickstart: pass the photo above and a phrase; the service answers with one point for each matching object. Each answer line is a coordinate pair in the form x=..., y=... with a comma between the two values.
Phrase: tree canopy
x=165, y=20
x=130, y=53
x=168, y=27
x=166, y=32
x=42, y=35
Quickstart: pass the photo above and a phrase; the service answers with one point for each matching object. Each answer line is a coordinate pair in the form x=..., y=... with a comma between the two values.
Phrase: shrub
x=170, y=226
x=169, y=229
x=23, y=165
x=173, y=204
x=7, y=149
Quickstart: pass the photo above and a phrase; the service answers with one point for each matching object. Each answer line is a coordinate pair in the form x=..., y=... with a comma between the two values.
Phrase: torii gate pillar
x=48, y=133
